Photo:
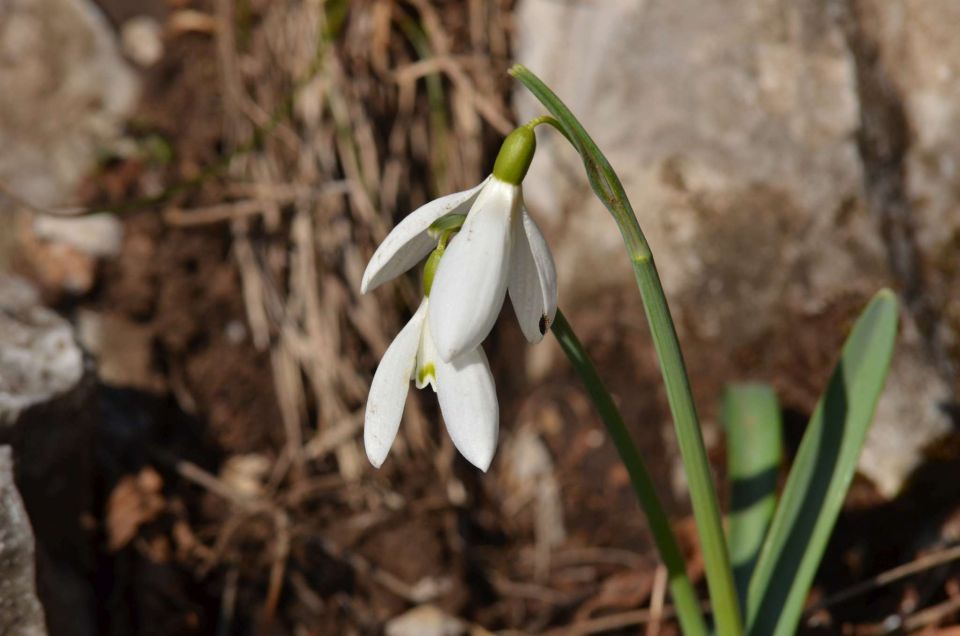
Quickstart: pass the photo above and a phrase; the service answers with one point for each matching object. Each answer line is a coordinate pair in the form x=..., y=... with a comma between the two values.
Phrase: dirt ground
x=232, y=495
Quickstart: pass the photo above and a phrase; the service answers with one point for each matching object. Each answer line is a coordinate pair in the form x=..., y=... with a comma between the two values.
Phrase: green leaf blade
x=821, y=474
x=751, y=417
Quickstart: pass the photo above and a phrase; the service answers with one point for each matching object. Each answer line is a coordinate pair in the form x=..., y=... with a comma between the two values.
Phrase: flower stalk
x=684, y=596
x=706, y=508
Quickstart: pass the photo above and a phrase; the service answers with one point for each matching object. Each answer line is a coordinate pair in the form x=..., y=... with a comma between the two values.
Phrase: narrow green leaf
x=821, y=473
x=751, y=417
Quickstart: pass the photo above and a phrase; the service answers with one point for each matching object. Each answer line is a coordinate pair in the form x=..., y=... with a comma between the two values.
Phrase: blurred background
x=190, y=191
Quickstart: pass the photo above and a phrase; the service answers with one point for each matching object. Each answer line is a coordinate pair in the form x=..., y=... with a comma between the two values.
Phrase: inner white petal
x=425, y=372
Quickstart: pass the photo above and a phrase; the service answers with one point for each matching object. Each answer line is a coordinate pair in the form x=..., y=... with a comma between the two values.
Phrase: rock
x=751, y=141
x=39, y=357
x=920, y=54
x=66, y=93
x=529, y=477
x=915, y=58
x=123, y=350
x=47, y=413
x=142, y=40
x=17, y=294
x=530, y=490
x=20, y=609
x=98, y=235
x=58, y=268
x=425, y=620
x=61, y=252
x=912, y=414
x=733, y=128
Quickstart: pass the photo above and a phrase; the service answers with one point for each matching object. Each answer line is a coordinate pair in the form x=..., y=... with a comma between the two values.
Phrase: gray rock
x=20, y=609
x=910, y=415
x=98, y=235
x=733, y=127
x=919, y=49
x=142, y=40
x=47, y=414
x=39, y=357
x=66, y=92
x=760, y=145
x=425, y=620
x=917, y=63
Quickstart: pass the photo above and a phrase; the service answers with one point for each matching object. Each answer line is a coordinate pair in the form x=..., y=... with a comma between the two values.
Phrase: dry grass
x=362, y=113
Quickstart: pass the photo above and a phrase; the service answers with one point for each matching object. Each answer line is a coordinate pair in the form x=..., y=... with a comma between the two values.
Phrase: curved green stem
x=684, y=596
x=706, y=508
x=552, y=121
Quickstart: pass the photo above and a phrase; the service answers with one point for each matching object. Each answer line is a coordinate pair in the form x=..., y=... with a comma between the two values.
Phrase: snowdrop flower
x=498, y=248
x=464, y=387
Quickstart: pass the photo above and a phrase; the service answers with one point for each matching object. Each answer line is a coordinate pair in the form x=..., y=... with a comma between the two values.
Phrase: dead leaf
x=135, y=500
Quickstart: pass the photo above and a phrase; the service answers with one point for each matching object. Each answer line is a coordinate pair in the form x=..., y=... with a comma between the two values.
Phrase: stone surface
x=47, y=414
x=919, y=49
x=122, y=349
x=61, y=253
x=99, y=235
x=912, y=412
x=918, y=57
x=66, y=91
x=767, y=155
x=733, y=127
x=530, y=479
x=142, y=40
x=425, y=620
x=20, y=609
x=39, y=356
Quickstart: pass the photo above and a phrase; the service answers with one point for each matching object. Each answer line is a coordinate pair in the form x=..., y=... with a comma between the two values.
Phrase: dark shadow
x=794, y=425
x=835, y=406
x=870, y=539
x=139, y=431
x=746, y=492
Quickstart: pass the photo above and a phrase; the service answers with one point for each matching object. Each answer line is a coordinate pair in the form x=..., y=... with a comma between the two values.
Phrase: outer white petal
x=471, y=280
x=409, y=243
x=468, y=402
x=533, y=279
x=388, y=391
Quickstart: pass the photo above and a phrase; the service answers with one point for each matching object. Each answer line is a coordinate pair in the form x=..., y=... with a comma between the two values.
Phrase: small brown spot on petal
x=543, y=324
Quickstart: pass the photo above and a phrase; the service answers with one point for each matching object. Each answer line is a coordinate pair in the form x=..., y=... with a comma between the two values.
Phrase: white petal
x=426, y=370
x=388, y=391
x=533, y=279
x=468, y=402
x=471, y=280
x=409, y=243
